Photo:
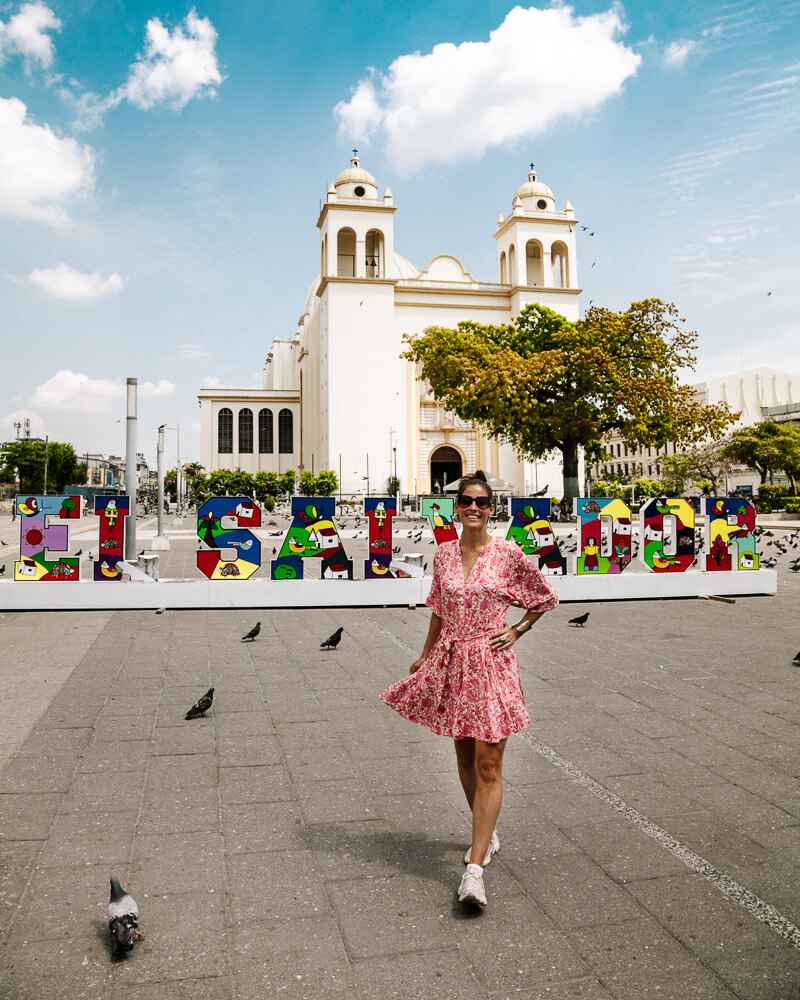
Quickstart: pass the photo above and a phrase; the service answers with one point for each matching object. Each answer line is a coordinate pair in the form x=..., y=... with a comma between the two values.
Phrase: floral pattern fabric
x=464, y=688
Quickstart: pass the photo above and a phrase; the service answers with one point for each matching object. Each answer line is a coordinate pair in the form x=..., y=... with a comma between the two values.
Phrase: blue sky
x=162, y=166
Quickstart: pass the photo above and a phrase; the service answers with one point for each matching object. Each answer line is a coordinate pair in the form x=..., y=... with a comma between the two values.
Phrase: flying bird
x=580, y=620
x=251, y=635
x=201, y=706
x=333, y=640
x=123, y=918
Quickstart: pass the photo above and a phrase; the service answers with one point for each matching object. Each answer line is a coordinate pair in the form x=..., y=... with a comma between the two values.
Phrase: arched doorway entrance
x=445, y=467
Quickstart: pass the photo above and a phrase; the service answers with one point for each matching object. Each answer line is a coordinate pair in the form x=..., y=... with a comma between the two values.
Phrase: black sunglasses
x=482, y=503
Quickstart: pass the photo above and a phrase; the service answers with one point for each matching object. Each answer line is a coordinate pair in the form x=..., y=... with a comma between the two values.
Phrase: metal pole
x=340, y=477
x=367, y=473
x=178, y=472
x=160, y=473
x=130, y=469
x=46, y=455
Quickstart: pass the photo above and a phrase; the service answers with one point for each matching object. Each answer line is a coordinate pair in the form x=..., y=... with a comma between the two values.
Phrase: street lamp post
x=130, y=467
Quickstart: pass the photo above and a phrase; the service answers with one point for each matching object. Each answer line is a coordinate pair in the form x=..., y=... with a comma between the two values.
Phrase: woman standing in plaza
x=466, y=683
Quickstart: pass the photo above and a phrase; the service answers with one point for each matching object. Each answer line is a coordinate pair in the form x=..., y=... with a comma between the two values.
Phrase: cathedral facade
x=339, y=396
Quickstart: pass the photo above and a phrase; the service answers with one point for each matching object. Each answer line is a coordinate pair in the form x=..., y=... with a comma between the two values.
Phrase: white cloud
x=162, y=388
x=175, y=67
x=458, y=100
x=38, y=168
x=210, y=382
x=25, y=33
x=63, y=282
x=676, y=53
x=68, y=390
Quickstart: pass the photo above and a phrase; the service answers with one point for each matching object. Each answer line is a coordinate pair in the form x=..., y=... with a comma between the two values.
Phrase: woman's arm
x=506, y=637
x=434, y=629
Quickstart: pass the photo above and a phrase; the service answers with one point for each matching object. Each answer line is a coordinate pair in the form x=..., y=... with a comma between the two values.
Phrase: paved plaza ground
x=303, y=841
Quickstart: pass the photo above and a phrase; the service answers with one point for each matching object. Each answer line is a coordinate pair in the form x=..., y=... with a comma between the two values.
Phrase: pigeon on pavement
x=251, y=635
x=201, y=706
x=123, y=918
x=796, y=660
x=580, y=620
x=333, y=640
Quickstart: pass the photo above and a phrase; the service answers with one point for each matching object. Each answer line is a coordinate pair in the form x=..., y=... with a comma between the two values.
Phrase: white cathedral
x=339, y=396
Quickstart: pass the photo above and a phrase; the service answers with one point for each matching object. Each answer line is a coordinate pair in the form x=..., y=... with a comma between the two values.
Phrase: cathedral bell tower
x=536, y=253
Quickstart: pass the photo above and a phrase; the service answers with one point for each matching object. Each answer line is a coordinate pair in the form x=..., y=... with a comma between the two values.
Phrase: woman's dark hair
x=479, y=477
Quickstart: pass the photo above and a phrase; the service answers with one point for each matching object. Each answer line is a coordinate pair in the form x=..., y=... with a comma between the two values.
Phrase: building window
x=285, y=432
x=265, y=446
x=245, y=431
x=225, y=431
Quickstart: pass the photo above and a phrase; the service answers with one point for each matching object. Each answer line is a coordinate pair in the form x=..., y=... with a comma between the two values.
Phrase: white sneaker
x=493, y=848
x=471, y=889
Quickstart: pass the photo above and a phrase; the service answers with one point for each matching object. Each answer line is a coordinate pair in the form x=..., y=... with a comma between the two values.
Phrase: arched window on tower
x=265, y=435
x=285, y=432
x=503, y=268
x=225, y=431
x=533, y=264
x=346, y=253
x=558, y=256
x=512, y=266
x=374, y=250
x=245, y=431
x=323, y=256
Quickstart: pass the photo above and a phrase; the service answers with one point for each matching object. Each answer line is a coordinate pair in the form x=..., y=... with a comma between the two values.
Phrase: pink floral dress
x=464, y=688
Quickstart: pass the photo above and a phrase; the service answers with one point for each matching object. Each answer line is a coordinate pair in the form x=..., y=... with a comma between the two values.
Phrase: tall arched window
x=503, y=268
x=285, y=432
x=225, y=431
x=245, y=431
x=559, y=258
x=265, y=432
x=512, y=265
x=374, y=249
x=533, y=263
x=346, y=253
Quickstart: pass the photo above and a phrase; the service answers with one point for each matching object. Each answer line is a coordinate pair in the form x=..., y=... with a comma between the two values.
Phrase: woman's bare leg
x=465, y=756
x=488, y=797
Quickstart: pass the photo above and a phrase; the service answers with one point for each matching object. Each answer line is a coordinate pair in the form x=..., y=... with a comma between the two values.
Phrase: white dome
x=536, y=196
x=355, y=182
x=403, y=268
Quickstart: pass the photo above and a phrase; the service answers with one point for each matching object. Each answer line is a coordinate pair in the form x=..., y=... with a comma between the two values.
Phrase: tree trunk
x=572, y=487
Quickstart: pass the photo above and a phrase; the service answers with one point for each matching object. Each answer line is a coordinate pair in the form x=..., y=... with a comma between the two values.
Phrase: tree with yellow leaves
x=545, y=384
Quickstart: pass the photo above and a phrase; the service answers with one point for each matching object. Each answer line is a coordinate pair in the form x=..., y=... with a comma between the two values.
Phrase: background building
x=338, y=395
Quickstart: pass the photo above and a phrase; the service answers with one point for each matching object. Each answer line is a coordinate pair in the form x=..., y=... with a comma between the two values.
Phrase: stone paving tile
x=263, y=826
x=302, y=959
x=37, y=774
x=275, y=885
x=215, y=988
x=387, y=913
x=61, y=743
x=638, y=958
x=27, y=816
x=182, y=771
x=417, y=976
x=270, y=783
x=17, y=858
x=357, y=850
x=179, y=810
x=340, y=801
x=504, y=960
x=422, y=816
x=99, y=792
x=90, y=838
x=771, y=973
x=106, y=757
x=186, y=739
x=248, y=751
x=63, y=969
x=178, y=862
x=314, y=763
x=623, y=851
x=587, y=988
x=574, y=891
x=185, y=937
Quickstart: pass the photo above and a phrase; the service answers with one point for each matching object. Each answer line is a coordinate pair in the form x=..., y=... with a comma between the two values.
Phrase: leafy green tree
x=392, y=486
x=63, y=468
x=307, y=484
x=171, y=484
x=707, y=462
x=327, y=483
x=767, y=447
x=545, y=384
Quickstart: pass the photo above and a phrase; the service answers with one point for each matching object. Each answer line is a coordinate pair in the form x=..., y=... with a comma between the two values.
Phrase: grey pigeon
x=333, y=640
x=251, y=635
x=201, y=706
x=796, y=660
x=123, y=918
x=580, y=620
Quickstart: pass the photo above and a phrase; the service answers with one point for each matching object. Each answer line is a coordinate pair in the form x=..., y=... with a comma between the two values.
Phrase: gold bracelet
x=522, y=627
